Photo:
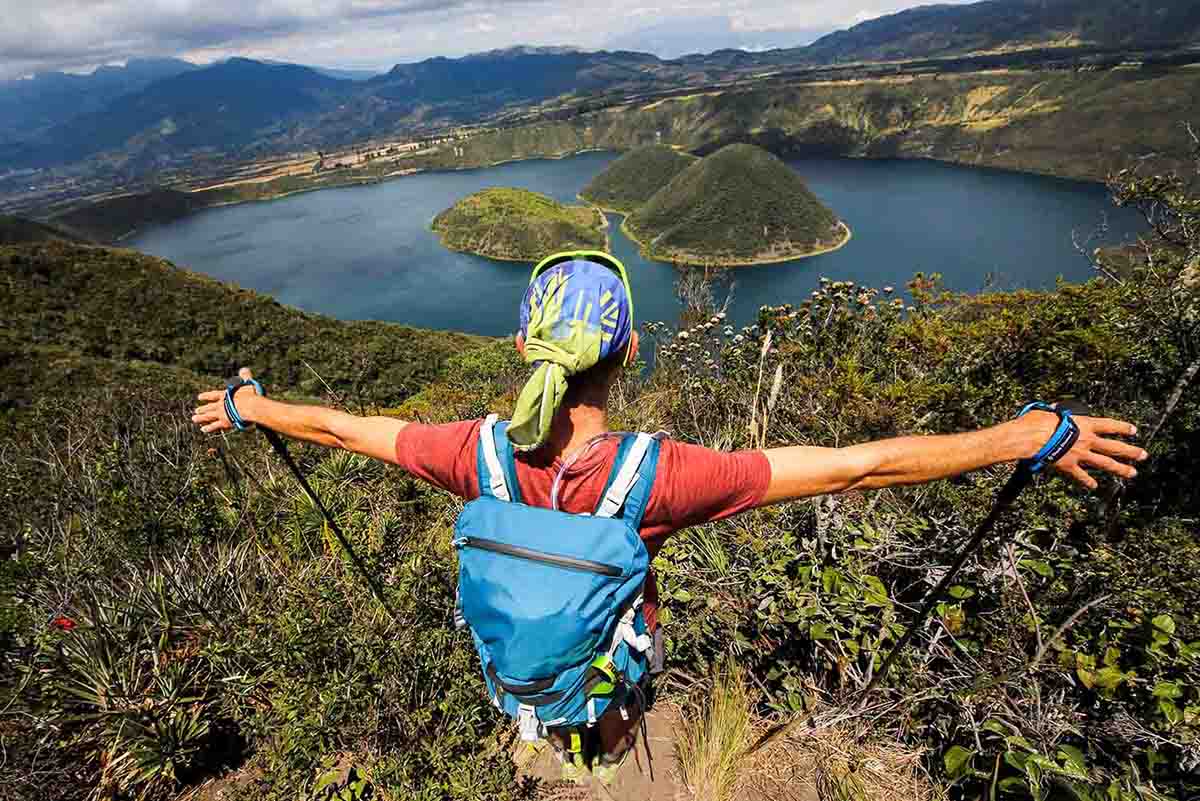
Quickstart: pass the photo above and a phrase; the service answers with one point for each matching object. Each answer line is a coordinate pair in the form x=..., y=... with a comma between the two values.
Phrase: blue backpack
x=554, y=600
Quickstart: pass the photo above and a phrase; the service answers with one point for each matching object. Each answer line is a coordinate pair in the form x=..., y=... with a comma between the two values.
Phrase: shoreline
x=645, y=252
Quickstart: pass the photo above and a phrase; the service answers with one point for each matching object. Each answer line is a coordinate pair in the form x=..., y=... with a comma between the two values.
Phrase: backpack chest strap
x=627, y=476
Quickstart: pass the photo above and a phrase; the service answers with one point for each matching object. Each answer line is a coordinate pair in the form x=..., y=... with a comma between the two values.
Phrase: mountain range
x=941, y=30
x=150, y=113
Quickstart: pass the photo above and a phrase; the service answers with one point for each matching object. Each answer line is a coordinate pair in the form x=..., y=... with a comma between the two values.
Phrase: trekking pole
x=281, y=449
x=1018, y=481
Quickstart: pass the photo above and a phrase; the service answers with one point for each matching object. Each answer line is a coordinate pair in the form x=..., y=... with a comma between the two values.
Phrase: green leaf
x=1013, y=784
x=1073, y=755
x=1038, y=566
x=876, y=592
x=683, y=596
x=1021, y=742
x=1169, y=711
x=1109, y=678
x=996, y=727
x=961, y=593
x=1164, y=623
x=819, y=631
x=958, y=762
x=1168, y=689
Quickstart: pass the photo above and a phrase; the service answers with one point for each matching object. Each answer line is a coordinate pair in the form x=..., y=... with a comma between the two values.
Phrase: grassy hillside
x=518, y=225
x=17, y=230
x=632, y=179
x=1070, y=124
x=73, y=311
x=741, y=205
x=174, y=611
x=115, y=218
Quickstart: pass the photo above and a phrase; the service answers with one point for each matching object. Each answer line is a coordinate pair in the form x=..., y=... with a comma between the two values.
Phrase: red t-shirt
x=692, y=485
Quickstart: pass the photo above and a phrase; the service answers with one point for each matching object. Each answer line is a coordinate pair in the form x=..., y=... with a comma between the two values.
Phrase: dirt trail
x=634, y=782
x=789, y=782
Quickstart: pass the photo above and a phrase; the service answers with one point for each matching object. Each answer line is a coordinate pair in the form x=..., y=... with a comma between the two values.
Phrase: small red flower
x=62, y=624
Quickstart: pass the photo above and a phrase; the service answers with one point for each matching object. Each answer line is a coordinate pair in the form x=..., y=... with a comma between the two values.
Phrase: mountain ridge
x=276, y=108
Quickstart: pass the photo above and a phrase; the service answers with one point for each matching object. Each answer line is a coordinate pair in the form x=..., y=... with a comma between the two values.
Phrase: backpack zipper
x=537, y=556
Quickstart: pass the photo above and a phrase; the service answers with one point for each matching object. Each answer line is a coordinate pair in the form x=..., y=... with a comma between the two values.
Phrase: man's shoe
x=607, y=767
x=573, y=769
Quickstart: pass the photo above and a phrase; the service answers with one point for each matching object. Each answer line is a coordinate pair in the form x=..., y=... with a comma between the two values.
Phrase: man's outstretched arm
x=802, y=472
x=370, y=436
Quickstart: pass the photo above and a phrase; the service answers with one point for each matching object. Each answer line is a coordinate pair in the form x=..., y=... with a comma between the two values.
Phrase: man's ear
x=520, y=342
x=631, y=355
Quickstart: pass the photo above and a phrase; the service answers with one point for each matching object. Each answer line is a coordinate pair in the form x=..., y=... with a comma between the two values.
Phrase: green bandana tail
x=560, y=347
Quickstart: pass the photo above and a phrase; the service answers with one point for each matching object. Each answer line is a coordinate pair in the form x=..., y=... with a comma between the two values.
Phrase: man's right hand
x=1095, y=448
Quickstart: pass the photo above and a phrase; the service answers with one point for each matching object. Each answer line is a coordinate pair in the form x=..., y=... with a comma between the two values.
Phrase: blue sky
x=77, y=35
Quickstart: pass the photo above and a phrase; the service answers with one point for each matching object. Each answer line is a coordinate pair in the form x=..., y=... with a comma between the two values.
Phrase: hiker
x=567, y=666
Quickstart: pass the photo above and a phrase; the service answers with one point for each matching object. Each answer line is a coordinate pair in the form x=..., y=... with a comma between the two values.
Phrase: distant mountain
x=679, y=37
x=243, y=108
x=488, y=81
x=226, y=106
x=741, y=205
x=994, y=24
x=31, y=105
x=329, y=72
x=634, y=178
x=239, y=104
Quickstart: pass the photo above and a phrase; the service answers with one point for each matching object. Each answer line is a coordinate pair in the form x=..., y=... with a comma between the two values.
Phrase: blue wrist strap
x=1060, y=442
x=231, y=388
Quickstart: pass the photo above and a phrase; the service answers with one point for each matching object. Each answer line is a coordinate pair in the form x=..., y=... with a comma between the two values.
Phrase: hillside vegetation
x=114, y=218
x=1070, y=124
x=175, y=610
x=17, y=230
x=73, y=313
x=633, y=179
x=518, y=225
x=741, y=205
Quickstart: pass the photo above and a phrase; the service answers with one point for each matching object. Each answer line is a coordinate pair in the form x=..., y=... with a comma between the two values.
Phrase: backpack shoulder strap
x=496, y=462
x=632, y=479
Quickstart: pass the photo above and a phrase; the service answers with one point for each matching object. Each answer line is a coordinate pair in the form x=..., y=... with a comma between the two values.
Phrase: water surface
x=368, y=253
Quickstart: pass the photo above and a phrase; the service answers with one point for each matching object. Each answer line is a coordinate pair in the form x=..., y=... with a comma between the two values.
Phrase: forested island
x=635, y=177
x=518, y=225
x=739, y=206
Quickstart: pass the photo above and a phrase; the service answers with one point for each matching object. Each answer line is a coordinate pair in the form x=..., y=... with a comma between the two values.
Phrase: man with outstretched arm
x=576, y=327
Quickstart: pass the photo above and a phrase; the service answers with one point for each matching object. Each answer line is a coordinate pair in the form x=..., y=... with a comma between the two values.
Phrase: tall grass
x=713, y=739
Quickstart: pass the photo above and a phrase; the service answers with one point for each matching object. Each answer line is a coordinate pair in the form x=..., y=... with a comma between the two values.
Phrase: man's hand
x=370, y=436
x=211, y=417
x=1094, y=449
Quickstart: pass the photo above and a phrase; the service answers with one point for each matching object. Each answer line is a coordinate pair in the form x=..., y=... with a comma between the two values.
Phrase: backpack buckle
x=528, y=723
x=602, y=677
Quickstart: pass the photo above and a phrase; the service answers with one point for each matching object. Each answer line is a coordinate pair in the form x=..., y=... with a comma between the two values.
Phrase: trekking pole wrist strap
x=231, y=388
x=1065, y=435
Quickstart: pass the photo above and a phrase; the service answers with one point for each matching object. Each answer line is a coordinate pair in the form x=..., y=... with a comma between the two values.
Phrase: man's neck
x=574, y=425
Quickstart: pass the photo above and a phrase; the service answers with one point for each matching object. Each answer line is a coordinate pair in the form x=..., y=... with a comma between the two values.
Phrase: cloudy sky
x=76, y=35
